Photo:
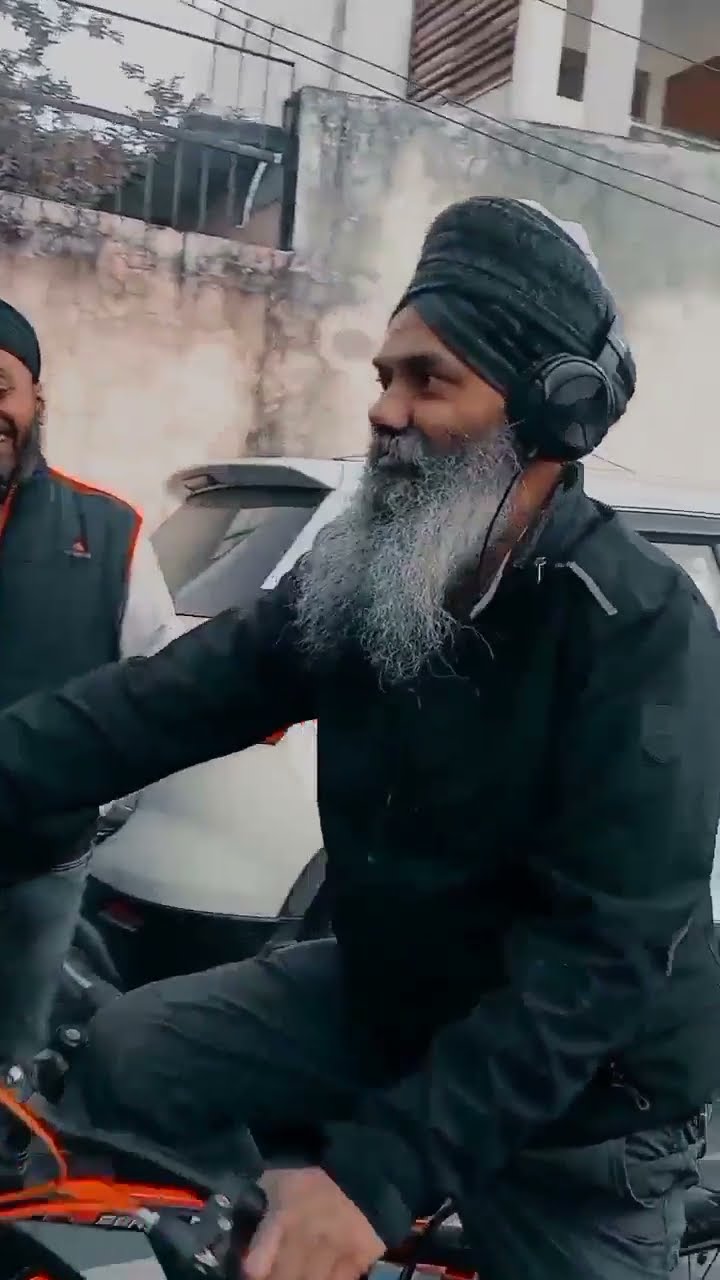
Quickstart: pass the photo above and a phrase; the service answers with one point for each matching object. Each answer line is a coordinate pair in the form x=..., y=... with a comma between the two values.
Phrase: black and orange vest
x=65, y=552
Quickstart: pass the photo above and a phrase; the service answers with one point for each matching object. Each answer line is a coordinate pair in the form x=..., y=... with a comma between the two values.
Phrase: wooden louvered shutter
x=461, y=48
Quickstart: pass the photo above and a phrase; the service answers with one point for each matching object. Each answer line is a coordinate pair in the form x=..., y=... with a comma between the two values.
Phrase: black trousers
x=268, y=1043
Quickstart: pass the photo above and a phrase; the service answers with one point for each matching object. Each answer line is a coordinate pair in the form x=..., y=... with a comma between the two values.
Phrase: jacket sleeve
x=620, y=869
x=223, y=686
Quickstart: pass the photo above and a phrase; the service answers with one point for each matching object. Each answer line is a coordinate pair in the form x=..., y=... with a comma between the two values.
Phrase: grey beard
x=379, y=575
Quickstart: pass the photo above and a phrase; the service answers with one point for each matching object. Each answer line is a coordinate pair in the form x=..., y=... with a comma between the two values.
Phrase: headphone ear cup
x=562, y=408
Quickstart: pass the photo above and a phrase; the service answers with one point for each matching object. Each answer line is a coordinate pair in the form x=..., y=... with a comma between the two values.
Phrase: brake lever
x=207, y=1246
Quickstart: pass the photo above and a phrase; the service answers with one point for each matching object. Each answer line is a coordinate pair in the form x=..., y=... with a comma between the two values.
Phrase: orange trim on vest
x=84, y=487
x=6, y=509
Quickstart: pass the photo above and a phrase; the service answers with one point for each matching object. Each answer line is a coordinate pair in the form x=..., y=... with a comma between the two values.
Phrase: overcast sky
x=93, y=66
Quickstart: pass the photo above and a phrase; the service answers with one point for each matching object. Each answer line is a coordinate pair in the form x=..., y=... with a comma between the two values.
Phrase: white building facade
x=596, y=65
x=348, y=30
x=601, y=65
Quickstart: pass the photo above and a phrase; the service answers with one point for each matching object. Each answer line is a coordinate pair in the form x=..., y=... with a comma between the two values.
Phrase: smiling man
x=79, y=587
x=518, y=706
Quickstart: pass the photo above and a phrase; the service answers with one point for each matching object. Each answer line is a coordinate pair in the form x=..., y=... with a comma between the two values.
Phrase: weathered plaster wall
x=159, y=348
x=373, y=174
x=162, y=349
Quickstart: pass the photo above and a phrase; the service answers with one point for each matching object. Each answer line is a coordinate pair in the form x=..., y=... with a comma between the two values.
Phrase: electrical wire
x=618, y=31
x=500, y=124
x=175, y=31
x=447, y=101
x=481, y=115
x=498, y=512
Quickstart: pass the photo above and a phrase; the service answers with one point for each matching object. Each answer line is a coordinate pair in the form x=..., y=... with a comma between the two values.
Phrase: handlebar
x=207, y=1246
x=220, y=1221
x=195, y=1230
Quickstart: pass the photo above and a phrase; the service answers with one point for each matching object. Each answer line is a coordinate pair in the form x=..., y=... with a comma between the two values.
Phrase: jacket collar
x=569, y=518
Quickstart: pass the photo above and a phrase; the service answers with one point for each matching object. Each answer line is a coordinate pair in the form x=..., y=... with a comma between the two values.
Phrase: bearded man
x=79, y=587
x=518, y=728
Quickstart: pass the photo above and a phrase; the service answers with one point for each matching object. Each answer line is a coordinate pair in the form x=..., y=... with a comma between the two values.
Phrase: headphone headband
x=615, y=351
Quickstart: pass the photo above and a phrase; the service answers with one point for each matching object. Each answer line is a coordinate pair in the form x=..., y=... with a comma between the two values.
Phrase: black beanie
x=19, y=338
x=504, y=286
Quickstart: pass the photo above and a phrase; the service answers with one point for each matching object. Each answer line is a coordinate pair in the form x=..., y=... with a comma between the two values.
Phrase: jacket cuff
x=379, y=1173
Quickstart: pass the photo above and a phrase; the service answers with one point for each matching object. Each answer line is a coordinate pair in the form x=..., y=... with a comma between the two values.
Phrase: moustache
x=407, y=450
x=8, y=429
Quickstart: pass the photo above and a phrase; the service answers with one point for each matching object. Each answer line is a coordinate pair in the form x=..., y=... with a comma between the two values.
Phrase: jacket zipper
x=619, y=1081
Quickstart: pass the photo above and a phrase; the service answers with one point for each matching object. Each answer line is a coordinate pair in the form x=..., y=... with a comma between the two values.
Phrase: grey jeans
x=267, y=1043
x=37, y=922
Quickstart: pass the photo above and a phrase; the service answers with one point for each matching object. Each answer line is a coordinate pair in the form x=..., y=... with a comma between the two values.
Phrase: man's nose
x=392, y=411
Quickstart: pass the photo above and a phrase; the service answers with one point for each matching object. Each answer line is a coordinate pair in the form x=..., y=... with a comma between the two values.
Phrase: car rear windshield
x=218, y=548
x=700, y=562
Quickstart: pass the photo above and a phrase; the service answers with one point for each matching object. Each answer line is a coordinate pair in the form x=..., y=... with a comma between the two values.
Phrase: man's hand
x=311, y=1231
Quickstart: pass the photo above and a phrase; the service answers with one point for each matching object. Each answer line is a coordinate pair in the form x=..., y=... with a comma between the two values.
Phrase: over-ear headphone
x=563, y=407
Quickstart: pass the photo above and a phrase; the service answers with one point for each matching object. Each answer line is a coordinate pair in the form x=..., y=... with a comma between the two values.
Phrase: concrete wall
x=158, y=348
x=162, y=349
x=372, y=176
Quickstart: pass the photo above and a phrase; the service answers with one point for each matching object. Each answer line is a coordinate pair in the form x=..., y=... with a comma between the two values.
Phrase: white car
x=212, y=858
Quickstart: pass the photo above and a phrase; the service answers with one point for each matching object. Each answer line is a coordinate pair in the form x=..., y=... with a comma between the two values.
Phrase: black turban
x=504, y=286
x=19, y=338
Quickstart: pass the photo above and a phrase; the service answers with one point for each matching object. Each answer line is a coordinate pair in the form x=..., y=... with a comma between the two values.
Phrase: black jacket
x=519, y=845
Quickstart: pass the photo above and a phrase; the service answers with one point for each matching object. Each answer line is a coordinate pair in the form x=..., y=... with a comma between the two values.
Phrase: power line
x=448, y=101
x=618, y=31
x=177, y=31
x=482, y=115
x=452, y=102
x=483, y=133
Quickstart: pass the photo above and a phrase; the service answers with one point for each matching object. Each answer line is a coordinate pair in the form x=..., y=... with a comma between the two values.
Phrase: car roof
x=631, y=492
x=617, y=486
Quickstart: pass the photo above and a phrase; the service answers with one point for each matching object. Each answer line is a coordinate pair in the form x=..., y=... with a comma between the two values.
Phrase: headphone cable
x=502, y=504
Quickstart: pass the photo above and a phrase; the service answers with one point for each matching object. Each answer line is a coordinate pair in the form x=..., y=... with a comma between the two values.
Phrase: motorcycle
x=437, y=1246
x=123, y=941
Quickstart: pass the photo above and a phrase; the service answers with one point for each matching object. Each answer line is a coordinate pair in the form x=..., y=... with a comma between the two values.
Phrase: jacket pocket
x=646, y=1167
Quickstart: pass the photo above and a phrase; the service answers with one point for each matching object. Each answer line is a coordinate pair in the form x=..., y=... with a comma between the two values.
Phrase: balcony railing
x=207, y=174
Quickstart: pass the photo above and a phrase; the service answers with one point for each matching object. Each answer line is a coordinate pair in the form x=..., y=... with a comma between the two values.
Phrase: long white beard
x=380, y=573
